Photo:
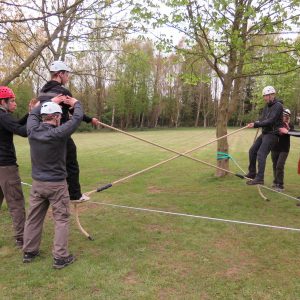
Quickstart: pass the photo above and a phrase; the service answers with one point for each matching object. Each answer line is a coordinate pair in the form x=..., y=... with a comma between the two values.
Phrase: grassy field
x=147, y=255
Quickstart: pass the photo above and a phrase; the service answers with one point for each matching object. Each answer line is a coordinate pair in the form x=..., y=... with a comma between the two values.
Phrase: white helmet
x=268, y=90
x=59, y=65
x=49, y=108
x=287, y=112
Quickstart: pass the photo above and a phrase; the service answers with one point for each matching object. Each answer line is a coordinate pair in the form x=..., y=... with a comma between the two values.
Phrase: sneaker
x=83, y=198
x=60, y=263
x=279, y=188
x=30, y=256
x=19, y=243
x=255, y=182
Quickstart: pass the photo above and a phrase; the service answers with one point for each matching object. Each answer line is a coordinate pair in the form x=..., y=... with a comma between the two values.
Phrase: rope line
x=198, y=216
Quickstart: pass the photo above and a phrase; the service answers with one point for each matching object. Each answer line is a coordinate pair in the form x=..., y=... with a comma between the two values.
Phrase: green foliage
x=24, y=94
x=131, y=93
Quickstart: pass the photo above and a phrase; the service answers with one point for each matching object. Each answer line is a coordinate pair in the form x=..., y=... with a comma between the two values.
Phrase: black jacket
x=271, y=118
x=53, y=88
x=8, y=127
x=284, y=143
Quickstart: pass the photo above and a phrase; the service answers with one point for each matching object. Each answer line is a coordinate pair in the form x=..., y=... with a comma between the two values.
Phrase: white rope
x=284, y=194
x=204, y=217
x=199, y=217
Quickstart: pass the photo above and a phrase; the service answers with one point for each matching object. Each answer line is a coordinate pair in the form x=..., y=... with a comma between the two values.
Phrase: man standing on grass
x=280, y=152
x=60, y=73
x=270, y=122
x=10, y=182
x=48, y=141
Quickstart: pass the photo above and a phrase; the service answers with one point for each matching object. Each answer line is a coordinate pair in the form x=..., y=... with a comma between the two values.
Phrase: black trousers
x=259, y=152
x=278, y=159
x=73, y=171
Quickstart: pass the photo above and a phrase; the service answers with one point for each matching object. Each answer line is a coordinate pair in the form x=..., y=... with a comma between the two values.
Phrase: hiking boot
x=255, y=182
x=250, y=175
x=83, y=198
x=30, y=256
x=60, y=263
x=19, y=243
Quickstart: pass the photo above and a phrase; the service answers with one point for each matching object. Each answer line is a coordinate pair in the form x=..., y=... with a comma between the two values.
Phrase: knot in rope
x=223, y=155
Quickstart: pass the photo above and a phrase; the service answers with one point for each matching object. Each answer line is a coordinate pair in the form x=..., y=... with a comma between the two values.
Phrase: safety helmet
x=6, y=92
x=49, y=108
x=286, y=112
x=268, y=90
x=59, y=65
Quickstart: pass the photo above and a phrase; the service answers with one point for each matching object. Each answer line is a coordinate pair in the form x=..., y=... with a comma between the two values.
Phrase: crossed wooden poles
x=178, y=154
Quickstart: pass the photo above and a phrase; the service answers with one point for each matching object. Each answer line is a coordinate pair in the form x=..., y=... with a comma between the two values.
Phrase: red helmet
x=6, y=92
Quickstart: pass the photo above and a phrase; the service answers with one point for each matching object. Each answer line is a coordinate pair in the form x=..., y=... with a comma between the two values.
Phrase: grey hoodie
x=48, y=145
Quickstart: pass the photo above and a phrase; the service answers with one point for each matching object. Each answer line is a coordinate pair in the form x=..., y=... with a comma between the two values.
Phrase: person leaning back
x=59, y=77
x=270, y=122
x=280, y=152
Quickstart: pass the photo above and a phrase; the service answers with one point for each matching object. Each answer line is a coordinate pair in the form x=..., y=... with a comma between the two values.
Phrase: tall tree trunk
x=198, y=110
x=205, y=119
x=177, y=116
x=222, y=120
x=142, y=120
x=113, y=117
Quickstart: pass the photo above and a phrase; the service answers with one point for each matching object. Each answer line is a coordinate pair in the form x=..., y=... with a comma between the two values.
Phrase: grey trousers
x=42, y=195
x=11, y=189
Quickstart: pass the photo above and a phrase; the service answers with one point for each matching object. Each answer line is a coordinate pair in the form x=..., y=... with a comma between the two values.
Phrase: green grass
x=143, y=255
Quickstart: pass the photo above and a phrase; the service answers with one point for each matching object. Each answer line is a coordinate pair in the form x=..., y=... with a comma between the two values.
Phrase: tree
x=223, y=31
x=44, y=41
x=132, y=90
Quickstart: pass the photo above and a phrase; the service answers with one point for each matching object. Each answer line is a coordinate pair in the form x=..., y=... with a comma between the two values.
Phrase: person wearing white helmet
x=280, y=152
x=48, y=140
x=270, y=122
x=295, y=133
x=59, y=77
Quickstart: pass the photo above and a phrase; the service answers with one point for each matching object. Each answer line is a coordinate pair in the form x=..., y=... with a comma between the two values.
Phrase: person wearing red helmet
x=10, y=182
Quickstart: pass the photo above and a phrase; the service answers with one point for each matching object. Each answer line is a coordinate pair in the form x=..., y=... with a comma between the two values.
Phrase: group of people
x=275, y=138
x=51, y=120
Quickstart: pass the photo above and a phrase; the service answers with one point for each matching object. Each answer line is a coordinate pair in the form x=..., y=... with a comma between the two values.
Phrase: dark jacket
x=8, y=127
x=284, y=143
x=53, y=88
x=48, y=145
x=271, y=118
